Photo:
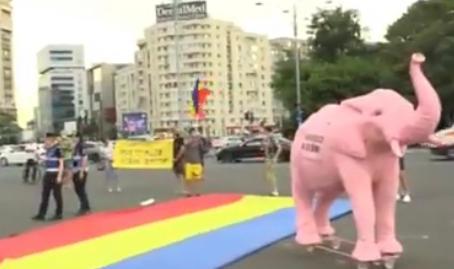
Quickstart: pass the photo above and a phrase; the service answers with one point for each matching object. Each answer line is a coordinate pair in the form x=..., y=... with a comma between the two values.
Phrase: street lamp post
x=296, y=48
x=180, y=113
x=297, y=66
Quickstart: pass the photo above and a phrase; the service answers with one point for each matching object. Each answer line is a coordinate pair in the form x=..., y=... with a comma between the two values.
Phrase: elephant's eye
x=378, y=113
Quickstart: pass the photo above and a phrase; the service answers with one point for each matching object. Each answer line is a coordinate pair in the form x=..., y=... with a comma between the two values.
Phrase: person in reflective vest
x=52, y=181
x=80, y=173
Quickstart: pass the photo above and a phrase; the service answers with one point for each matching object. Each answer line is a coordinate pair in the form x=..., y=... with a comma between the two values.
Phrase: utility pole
x=298, y=108
x=180, y=106
x=297, y=65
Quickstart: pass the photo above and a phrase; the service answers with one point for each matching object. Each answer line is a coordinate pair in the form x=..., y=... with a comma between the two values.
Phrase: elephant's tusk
x=397, y=150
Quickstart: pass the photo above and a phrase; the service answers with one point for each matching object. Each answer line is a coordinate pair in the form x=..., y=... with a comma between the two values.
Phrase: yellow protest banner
x=130, y=154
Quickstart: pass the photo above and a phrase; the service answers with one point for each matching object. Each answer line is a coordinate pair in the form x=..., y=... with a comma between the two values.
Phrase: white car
x=228, y=141
x=447, y=137
x=15, y=155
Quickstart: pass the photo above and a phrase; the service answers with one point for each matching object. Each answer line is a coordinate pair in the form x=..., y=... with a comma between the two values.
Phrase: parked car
x=227, y=141
x=16, y=155
x=6, y=148
x=446, y=136
x=252, y=149
x=93, y=150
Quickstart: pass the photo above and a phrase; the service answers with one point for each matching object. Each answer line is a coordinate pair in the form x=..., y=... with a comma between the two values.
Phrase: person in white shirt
x=110, y=172
x=31, y=164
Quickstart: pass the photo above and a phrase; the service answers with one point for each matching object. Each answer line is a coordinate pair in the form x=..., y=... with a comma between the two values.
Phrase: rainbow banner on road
x=202, y=232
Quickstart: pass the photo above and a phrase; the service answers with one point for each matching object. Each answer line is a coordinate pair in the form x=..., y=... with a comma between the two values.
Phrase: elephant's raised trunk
x=428, y=112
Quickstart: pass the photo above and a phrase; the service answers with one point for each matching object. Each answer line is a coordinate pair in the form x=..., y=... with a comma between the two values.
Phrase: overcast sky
x=109, y=28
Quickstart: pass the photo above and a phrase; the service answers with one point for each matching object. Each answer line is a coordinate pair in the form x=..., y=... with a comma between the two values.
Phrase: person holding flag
x=199, y=98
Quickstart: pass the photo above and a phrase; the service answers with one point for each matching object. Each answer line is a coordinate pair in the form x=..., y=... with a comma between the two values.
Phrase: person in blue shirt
x=52, y=181
x=80, y=173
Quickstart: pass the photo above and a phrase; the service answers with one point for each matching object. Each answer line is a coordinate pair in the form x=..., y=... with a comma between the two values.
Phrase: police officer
x=52, y=181
x=80, y=173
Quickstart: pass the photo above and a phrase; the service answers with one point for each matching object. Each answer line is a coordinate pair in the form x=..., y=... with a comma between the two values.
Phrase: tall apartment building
x=62, y=86
x=7, y=101
x=126, y=90
x=280, y=47
x=236, y=66
x=101, y=91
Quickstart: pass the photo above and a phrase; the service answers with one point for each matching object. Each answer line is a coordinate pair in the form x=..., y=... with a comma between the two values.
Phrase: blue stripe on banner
x=227, y=245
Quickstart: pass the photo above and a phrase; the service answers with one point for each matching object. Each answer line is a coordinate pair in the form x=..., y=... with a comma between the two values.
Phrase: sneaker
x=398, y=197
x=110, y=190
x=38, y=218
x=56, y=218
x=407, y=198
x=118, y=189
x=148, y=202
x=275, y=193
x=82, y=212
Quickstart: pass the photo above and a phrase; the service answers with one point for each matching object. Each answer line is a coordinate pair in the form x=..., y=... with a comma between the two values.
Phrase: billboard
x=185, y=11
x=136, y=123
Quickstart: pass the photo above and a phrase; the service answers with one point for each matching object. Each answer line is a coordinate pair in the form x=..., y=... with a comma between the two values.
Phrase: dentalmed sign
x=185, y=11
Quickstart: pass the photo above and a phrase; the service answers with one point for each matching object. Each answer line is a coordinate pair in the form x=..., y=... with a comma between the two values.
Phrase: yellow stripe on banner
x=130, y=154
x=115, y=247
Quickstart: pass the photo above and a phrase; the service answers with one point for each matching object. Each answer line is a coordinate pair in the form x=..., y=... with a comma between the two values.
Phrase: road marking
x=148, y=202
x=417, y=237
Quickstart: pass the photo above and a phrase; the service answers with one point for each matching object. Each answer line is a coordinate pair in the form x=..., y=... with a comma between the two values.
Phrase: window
x=62, y=78
x=61, y=59
x=60, y=52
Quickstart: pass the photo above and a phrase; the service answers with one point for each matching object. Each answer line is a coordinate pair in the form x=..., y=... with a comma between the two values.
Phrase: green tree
x=427, y=26
x=335, y=33
x=9, y=130
x=325, y=82
x=340, y=64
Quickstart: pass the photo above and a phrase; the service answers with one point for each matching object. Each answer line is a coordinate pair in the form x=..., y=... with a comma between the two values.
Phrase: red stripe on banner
x=99, y=224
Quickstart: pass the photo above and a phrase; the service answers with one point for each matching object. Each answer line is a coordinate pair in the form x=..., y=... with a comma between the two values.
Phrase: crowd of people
x=65, y=163
x=189, y=160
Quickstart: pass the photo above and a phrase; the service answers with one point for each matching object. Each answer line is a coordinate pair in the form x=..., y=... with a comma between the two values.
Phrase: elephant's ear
x=367, y=104
x=349, y=139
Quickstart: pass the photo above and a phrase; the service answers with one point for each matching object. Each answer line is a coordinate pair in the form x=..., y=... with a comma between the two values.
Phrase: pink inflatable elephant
x=354, y=148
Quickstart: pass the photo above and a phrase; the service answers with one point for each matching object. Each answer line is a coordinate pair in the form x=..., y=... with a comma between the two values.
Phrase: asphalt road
x=426, y=226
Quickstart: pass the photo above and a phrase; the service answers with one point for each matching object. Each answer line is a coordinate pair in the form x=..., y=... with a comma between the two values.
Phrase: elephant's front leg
x=358, y=184
x=385, y=204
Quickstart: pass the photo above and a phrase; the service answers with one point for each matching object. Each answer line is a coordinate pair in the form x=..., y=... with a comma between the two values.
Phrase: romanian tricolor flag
x=199, y=99
x=201, y=232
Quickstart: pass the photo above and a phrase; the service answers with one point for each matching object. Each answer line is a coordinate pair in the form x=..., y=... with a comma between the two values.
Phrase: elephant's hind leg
x=306, y=229
x=325, y=199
